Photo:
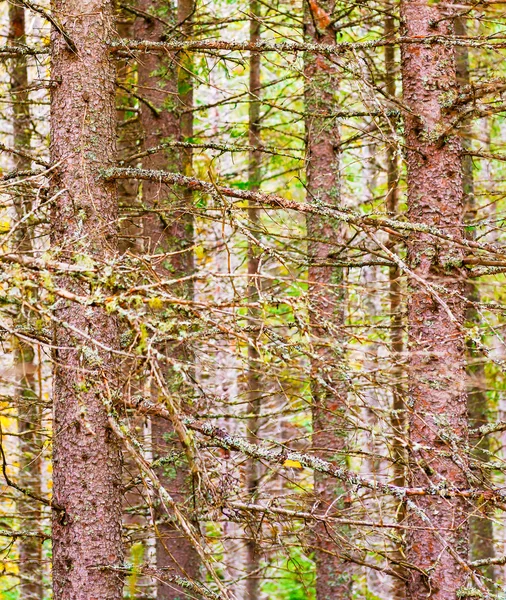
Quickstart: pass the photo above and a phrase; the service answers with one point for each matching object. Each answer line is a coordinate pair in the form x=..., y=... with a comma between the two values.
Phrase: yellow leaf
x=155, y=303
x=295, y=464
x=199, y=252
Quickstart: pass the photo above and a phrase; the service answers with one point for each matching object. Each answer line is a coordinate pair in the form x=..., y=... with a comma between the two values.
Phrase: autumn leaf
x=294, y=464
x=321, y=17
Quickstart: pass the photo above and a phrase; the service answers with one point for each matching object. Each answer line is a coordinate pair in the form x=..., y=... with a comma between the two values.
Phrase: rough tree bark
x=86, y=456
x=333, y=573
x=437, y=349
x=28, y=401
x=254, y=391
x=169, y=231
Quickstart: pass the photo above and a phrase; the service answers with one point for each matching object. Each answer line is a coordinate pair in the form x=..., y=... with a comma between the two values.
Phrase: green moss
x=81, y=386
x=447, y=99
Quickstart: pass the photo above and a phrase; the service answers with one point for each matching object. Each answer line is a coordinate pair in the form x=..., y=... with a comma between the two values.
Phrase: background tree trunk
x=86, y=456
x=437, y=350
x=168, y=228
x=138, y=536
x=481, y=530
x=254, y=383
x=28, y=401
x=329, y=392
x=398, y=419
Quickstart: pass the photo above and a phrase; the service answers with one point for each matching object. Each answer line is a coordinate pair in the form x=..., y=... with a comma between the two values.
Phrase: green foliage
x=293, y=577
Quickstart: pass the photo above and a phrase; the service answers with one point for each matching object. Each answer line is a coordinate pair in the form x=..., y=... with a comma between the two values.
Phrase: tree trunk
x=254, y=391
x=138, y=539
x=28, y=402
x=437, y=357
x=481, y=527
x=169, y=231
x=372, y=397
x=86, y=455
x=333, y=573
x=398, y=419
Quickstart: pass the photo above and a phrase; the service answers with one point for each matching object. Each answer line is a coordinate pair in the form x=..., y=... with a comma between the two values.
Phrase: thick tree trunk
x=169, y=231
x=254, y=384
x=86, y=456
x=437, y=357
x=29, y=417
x=333, y=573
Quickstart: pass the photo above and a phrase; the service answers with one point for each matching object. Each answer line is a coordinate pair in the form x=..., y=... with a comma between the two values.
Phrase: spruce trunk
x=169, y=229
x=86, y=455
x=437, y=350
x=481, y=527
x=325, y=235
x=398, y=418
x=28, y=401
x=254, y=390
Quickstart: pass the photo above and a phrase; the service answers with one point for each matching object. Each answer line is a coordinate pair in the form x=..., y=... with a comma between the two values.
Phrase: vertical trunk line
x=398, y=418
x=135, y=522
x=29, y=412
x=185, y=12
x=254, y=393
x=481, y=530
x=326, y=296
x=437, y=350
x=165, y=82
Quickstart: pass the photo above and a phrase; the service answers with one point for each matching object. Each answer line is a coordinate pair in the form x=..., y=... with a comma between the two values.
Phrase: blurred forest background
x=252, y=299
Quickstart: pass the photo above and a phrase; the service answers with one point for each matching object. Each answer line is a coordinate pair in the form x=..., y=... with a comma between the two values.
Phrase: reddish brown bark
x=437, y=350
x=333, y=573
x=169, y=231
x=86, y=456
x=30, y=548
